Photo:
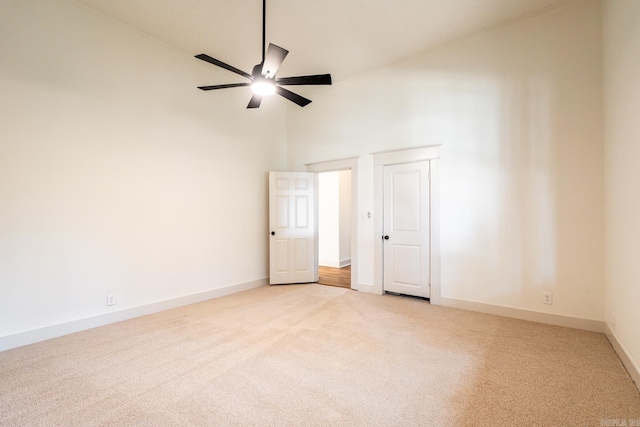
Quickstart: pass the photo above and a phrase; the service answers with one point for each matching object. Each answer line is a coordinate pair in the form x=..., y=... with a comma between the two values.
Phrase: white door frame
x=431, y=153
x=341, y=165
x=380, y=160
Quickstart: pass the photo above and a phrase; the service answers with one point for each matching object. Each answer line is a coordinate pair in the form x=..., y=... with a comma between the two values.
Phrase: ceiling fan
x=263, y=79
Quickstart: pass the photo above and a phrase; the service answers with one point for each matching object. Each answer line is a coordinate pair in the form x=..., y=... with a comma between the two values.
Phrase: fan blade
x=223, y=86
x=293, y=97
x=318, y=79
x=214, y=61
x=273, y=59
x=255, y=101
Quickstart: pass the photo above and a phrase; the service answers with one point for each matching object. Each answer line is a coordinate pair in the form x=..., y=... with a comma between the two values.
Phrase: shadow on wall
x=504, y=229
x=518, y=112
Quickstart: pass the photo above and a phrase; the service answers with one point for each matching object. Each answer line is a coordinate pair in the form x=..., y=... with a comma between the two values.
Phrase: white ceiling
x=341, y=37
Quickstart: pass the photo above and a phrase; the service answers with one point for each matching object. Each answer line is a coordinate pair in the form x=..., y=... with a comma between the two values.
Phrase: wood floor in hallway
x=340, y=277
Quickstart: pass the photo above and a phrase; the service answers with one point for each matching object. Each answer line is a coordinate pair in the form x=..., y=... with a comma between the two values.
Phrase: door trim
x=340, y=165
x=411, y=155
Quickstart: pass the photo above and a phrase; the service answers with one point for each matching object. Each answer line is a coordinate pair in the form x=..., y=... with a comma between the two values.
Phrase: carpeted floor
x=306, y=355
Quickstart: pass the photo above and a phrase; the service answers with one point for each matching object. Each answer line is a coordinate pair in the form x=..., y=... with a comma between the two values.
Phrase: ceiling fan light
x=263, y=87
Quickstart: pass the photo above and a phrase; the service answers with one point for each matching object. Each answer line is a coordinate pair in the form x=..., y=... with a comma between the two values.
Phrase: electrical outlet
x=547, y=298
x=111, y=299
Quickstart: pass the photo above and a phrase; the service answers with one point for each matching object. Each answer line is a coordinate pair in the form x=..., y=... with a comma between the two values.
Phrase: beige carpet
x=308, y=355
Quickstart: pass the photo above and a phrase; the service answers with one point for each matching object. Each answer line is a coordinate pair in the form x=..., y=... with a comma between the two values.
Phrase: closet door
x=406, y=229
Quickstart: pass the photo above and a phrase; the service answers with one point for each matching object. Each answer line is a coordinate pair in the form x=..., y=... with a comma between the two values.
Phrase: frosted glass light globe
x=263, y=87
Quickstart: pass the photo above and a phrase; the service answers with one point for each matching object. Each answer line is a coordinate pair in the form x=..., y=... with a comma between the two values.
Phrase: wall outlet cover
x=111, y=299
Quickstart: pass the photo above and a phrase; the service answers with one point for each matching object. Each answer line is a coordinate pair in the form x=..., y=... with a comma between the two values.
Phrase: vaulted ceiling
x=342, y=37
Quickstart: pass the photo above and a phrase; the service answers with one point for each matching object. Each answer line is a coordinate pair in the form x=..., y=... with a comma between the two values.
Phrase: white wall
x=117, y=174
x=334, y=219
x=622, y=171
x=329, y=219
x=344, y=187
x=519, y=113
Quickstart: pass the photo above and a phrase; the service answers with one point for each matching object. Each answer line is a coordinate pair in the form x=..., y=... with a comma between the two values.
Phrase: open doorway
x=334, y=228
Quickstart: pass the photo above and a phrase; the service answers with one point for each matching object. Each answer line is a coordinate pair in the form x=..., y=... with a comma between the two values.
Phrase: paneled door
x=406, y=229
x=292, y=222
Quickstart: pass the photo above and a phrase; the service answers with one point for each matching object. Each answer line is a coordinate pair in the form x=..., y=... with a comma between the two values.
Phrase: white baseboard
x=41, y=334
x=625, y=358
x=334, y=264
x=369, y=289
x=553, y=319
x=522, y=314
x=325, y=263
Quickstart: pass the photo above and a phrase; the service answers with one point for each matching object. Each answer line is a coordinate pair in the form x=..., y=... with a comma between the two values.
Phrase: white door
x=292, y=222
x=406, y=229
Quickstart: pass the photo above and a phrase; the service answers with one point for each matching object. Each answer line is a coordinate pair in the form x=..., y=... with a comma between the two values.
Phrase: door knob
x=273, y=233
x=386, y=237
